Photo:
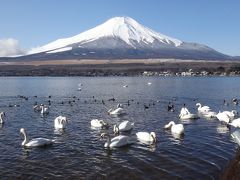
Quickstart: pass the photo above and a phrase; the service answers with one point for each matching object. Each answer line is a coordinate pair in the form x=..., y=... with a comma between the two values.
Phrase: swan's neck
x=115, y=129
x=62, y=121
x=108, y=142
x=169, y=125
x=26, y=140
x=42, y=109
x=110, y=110
x=154, y=138
x=1, y=119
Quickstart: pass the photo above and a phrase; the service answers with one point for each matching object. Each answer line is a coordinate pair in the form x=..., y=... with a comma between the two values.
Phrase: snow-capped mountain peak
x=124, y=28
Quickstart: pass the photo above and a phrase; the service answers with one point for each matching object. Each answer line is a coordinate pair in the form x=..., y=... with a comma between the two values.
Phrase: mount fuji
x=122, y=38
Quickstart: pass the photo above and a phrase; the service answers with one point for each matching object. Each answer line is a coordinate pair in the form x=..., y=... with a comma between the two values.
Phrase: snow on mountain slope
x=125, y=28
x=60, y=50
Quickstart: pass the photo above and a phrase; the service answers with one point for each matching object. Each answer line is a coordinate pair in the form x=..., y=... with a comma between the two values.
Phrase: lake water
x=78, y=152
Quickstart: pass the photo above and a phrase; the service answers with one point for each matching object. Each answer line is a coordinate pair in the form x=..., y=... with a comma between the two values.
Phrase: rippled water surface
x=78, y=152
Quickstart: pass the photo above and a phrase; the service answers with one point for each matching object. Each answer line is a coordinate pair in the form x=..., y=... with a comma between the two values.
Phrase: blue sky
x=32, y=23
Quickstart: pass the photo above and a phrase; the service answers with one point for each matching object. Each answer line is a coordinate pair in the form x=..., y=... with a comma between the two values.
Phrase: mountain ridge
x=122, y=38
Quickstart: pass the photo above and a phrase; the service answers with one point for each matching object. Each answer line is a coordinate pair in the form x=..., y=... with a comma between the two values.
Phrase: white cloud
x=10, y=47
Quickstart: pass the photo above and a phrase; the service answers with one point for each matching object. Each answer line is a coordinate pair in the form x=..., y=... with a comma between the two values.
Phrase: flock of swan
x=226, y=117
x=123, y=127
x=121, y=139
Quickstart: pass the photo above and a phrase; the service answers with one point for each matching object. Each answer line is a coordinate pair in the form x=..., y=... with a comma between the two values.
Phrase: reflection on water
x=178, y=136
x=78, y=152
x=222, y=129
x=147, y=146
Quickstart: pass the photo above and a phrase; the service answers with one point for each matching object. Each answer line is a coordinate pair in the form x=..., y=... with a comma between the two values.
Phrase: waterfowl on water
x=2, y=115
x=36, y=142
x=202, y=109
x=116, y=142
x=60, y=122
x=98, y=123
x=185, y=114
x=147, y=137
x=232, y=114
x=123, y=126
x=235, y=123
x=118, y=111
x=44, y=110
x=223, y=117
x=175, y=128
x=170, y=107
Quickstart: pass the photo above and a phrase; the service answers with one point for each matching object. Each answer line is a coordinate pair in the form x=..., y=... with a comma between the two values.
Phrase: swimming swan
x=2, y=115
x=202, y=109
x=231, y=114
x=235, y=122
x=123, y=126
x=175, y=128
x=223, y=117
x=44, y=110
x=146, y=137
x=36, y=142
x=118, y=111
x=37, y=108
x=60, y=122
x=185, y=114
x=209, y=114
x=98, y=123
x=117, y=141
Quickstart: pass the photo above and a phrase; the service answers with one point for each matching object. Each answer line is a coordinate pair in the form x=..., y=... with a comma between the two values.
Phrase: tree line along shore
x=124, y=68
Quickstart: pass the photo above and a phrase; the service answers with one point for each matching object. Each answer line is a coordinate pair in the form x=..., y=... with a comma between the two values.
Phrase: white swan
x=175, y=128
x=44, y=110
x=60, y=122
x=34, y=142
x=123, y=126
x=223, y=117
x=231, y=114
x=235, y=123
x=37, y=107
x=185, y=114
x=118, y=111
x=98, y=123
x=146, y=137
x=188, y=116
x=209, y=114
x=202, y=109
x=2, y=115
x=117, y=141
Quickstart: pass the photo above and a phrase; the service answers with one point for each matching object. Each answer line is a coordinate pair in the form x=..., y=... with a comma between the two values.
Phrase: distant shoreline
x=124, y=67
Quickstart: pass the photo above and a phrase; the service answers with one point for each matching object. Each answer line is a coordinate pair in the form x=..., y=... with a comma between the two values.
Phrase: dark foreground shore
x=232, y=172
x=118, y=67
